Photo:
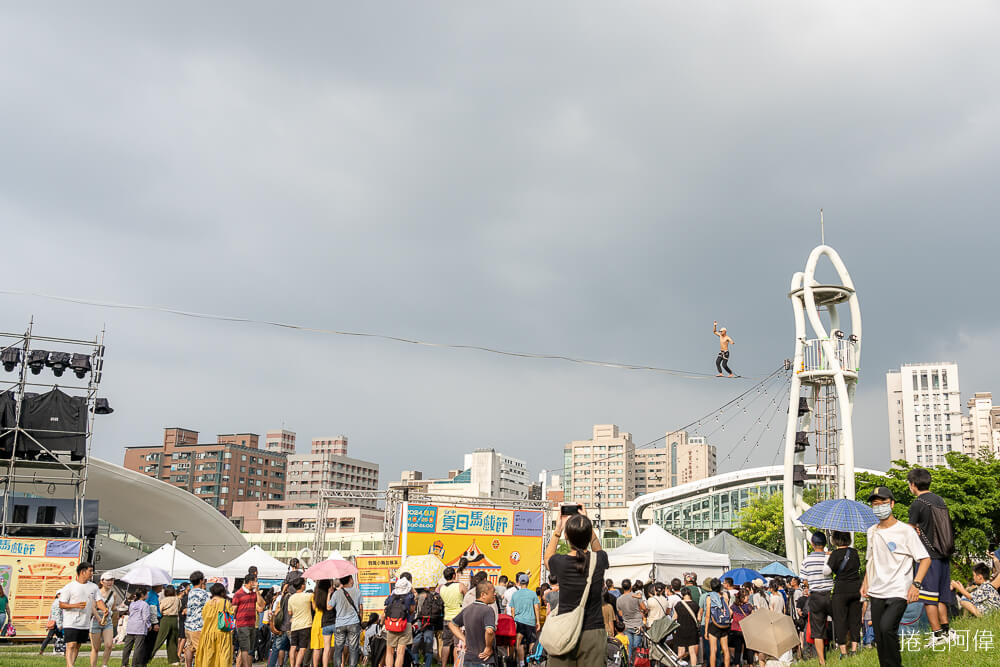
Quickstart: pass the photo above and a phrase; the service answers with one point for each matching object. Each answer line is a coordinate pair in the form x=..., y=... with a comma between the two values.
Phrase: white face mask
x=882, y=511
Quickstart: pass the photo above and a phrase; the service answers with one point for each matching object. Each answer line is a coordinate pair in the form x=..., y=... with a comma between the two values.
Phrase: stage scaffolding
x=46, y=471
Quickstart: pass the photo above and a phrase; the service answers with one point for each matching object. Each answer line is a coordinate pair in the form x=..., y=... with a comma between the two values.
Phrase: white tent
x=658, y=555
x=177, y=563
x=268, y=567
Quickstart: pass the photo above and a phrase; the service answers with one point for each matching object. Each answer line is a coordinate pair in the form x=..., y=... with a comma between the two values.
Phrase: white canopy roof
x=656, y=554
x=268, y=567
x=177, y=563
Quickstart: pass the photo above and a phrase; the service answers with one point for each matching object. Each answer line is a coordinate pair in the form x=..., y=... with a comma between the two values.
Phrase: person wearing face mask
x=894, y=548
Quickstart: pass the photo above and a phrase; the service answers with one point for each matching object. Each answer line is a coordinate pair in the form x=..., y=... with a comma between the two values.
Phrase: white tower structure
x=821, y=400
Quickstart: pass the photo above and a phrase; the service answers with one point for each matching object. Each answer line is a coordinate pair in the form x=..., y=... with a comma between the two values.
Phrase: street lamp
x=173, y=553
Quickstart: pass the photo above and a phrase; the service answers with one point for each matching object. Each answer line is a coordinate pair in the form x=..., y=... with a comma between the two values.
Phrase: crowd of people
x=469, y=621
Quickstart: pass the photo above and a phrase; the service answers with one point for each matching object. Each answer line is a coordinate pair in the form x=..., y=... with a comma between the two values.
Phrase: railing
x=814, y=357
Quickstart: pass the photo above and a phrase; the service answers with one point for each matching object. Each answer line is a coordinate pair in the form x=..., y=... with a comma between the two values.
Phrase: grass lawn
x=49, y=660
x=971, y=656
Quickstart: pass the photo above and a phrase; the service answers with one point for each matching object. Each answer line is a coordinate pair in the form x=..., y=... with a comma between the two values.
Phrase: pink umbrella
x=333, y=568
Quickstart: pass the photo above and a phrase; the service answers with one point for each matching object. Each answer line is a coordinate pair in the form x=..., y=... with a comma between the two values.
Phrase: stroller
x=656, y=636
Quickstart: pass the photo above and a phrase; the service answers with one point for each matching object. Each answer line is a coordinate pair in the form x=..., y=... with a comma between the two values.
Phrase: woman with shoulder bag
x=574, y=635
x=741, y=609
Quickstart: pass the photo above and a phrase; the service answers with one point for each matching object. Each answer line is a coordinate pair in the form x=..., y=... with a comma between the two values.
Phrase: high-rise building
x=979, y=427
x=336, y=446
x=220, y=473
x=324, y=469
x=280, y=440
x=651, y=470
x=486, y=474
x=601, y=471
x=925, y=412
x=688, y=458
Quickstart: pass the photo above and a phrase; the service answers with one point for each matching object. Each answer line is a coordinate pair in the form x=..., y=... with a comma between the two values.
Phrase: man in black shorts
x=77, y=599
x=525, y=608
x=935, y=590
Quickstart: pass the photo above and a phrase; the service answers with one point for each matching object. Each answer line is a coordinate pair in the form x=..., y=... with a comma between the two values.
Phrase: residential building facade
x=280, y=440
x=979, y=427
x=221, y=473
x=324, y=469
x=289, y=516
x=486, y=474
x=601, y=471
x=925, y=412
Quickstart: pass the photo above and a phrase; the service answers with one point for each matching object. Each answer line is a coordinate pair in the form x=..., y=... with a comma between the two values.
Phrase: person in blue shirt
x=524, y=607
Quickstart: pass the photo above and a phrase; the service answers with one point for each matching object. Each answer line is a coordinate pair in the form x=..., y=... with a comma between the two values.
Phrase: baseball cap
x=759, y=583
x=523, y=579
x=881, y=492
x=107, y=576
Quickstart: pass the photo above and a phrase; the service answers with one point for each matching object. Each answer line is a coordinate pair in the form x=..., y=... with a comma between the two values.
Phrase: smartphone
x=570, y=510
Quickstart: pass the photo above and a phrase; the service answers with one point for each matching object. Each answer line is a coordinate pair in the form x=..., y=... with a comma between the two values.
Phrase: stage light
x=803, y=405
x=58, y=362
x=10, y=358
x=102, y=407
x=799, y=475
x=801, y=441
x=80, y=363
x=36, y=360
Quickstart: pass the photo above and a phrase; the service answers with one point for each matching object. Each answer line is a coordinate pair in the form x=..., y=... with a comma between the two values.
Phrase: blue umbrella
x=843, y=514
x=741, y=575
x=777, y=569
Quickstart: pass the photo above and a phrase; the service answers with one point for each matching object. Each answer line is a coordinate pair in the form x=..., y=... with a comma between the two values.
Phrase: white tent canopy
x=177, y=563
x=658, y=555
x=267, y=566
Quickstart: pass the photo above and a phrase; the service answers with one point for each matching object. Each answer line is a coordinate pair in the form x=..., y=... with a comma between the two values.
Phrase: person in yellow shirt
x=300, y=607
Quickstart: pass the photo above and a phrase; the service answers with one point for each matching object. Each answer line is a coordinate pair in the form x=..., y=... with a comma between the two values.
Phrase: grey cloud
x=557, y=178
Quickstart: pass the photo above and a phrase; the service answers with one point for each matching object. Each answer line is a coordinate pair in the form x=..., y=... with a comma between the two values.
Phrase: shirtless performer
x=722, y=361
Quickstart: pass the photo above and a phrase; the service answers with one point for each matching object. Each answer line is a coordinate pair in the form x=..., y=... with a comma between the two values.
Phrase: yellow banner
x=498, y=541
x=32, y=571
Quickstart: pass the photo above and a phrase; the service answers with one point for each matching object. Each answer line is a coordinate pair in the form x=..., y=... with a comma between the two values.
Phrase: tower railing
x=815, y=358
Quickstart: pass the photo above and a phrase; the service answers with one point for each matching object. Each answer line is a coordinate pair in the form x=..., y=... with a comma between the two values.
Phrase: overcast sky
x=597, y=180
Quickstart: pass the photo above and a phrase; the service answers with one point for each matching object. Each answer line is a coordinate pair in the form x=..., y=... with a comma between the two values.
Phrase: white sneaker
x=937, y=640
x=952, y=636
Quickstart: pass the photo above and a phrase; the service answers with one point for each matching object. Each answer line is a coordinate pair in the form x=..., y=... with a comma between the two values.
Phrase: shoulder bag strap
x=351, y=601
x=590, y=579
x=690, y=613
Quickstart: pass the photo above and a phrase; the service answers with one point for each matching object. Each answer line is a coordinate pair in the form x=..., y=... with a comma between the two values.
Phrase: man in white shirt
x=893, y=549
x=77, y=599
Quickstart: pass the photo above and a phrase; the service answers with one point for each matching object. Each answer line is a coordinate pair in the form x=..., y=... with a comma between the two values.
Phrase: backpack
x=396, y=614
x=506, y=630
x=433, y=606
x=941, y=531
x=226, y=621
x=722, y=615
x=616, y=654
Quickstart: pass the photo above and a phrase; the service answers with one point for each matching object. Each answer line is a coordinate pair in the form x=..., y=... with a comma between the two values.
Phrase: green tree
x=762, y=521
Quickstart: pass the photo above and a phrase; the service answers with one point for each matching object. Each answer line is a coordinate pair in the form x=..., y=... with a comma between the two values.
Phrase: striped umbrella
x=842, y=514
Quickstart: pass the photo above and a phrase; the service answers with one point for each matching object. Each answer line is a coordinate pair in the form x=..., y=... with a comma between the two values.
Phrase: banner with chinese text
x=32, y=571
x=499, y=541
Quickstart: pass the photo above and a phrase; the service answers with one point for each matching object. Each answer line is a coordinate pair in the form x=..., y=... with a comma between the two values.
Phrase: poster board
x=499, y=541
x=32, y=571
x=376, y=577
